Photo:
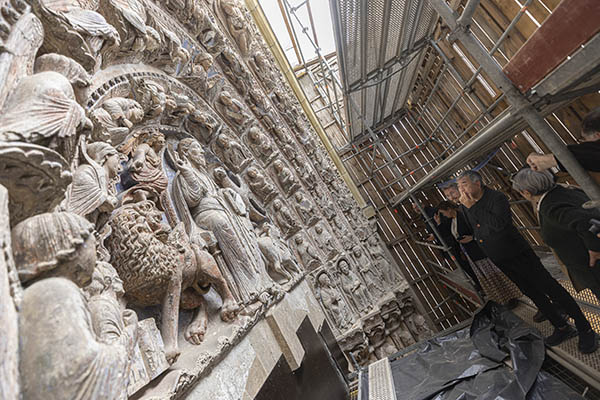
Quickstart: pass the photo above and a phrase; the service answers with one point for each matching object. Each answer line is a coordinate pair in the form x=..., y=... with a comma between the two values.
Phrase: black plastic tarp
x=469, y=364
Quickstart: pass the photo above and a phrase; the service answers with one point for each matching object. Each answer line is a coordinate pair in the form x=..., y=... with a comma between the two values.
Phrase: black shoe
x=539, y=317
x=588, y=342
x=560, y=335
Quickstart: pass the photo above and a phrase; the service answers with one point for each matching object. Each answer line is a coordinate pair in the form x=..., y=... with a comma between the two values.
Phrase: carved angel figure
x=333, y=303
x=355, y=290
x=232, y=110
x=284, y=219
x=261, y=145
x=236, y=24
x=114, y=118
x=232, y=153
x=85, y=32
x=308, y=254
x=70, y=349
x=259, y=185
x=53, y=116
x=92, y=191
x=285, y=177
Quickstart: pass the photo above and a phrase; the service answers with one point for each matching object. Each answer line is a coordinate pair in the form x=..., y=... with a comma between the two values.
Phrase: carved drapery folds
x=152, y=153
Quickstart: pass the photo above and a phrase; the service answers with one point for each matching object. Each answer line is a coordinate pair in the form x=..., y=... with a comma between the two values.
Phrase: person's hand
x=437, y=218
x=430, y=238
x=466, y=199
x=594, y=257
x=466, y=239
x=541, y=162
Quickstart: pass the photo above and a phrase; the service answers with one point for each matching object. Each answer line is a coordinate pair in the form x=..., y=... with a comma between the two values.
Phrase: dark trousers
x=528, y=273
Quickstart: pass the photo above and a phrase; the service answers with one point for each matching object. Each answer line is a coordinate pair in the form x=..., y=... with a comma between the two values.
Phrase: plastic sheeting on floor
x=468, y=364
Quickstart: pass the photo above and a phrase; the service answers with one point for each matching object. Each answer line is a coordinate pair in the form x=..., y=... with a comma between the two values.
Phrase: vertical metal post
x=516, y=99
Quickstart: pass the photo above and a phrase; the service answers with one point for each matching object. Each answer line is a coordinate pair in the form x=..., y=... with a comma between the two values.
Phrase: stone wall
x=165, y=194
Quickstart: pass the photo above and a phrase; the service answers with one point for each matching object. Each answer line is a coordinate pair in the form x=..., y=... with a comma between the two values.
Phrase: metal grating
x=374, y=39
x=381, y=382
x=557, y=370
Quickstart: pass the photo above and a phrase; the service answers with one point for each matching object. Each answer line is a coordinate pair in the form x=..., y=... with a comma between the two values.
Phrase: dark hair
x=591, y=123
x=447, y=205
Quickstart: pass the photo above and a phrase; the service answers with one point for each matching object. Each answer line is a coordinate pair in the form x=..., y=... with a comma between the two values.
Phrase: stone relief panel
x=164, y=191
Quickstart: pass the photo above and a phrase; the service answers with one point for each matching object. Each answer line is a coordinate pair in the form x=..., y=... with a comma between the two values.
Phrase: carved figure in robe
x=145, y=166
x=418, y=325
x=284, y=219
x=308, y=254
x=261, y=145
x=334, y=304
x=306, y=209
x=84, y=32
x=198, y=77
x=259, y=185
x=325, y=241
x=232, y=153
x=258, y=104
x=382, y=263
x=277, y=254
x=355, y=290
x=226, y=181
x=92, y=193
x=232, y=110
x=285, y=177
x=177, y=109
x=236, y=24
x=114, y=118
x=235, y=70
x=201, y=125
x=62, y=355
x=171, y=54
x=198, y=193
x=53, y=116
x=262, y=68
x=129, y=18
x=371, y=274
x=151, y=96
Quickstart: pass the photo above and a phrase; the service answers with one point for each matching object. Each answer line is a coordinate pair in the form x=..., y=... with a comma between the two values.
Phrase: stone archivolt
x=160, y=155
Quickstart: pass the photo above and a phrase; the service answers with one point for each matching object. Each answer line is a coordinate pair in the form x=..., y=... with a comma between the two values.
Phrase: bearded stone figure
x=68, y=350
x=370, y=272
x=197, y=192
x=353, y=287
x=333, y=303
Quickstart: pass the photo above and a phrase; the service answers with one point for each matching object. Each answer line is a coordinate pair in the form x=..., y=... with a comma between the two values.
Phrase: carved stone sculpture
x=325, y=241
x=370, y=272
x=235, y=71
x=232, y=153
x=232, y=110
x=288, y=182
x=201, y=125
x=151, y=96
x=259, y=185
x=53, y=115
x=201, y=77
x=113, y=120
x=355, y=290
x=92, y=191
x=199, y=194
x=418, y=325
x=178, y=107
x=381, y=262
x=308, y=254
x=277, y=253
x=58, y=339
x=262, y=68
x=306, y=209
x=334, y=304
x=228, y=180
x=380, y=345
x=284, y=219
x=236, y=24
x=261, y=145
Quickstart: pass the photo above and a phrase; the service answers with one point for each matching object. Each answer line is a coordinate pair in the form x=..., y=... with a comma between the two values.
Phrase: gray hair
x=535, y=182
x=473, y=176
x=450, y=185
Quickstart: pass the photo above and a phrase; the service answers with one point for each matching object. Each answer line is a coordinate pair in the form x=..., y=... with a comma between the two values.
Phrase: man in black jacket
x=489, y=214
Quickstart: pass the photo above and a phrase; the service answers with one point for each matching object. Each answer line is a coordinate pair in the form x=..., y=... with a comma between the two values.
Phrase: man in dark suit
x=489, y=214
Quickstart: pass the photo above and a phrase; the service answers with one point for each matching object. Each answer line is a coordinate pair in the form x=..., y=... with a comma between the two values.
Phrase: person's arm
x=576, y=219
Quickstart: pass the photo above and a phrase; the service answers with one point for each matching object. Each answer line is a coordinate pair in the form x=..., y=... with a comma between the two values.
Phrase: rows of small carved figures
x=150, y=152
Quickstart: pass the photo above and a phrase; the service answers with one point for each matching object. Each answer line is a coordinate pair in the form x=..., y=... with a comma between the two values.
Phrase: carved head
x=155, y=139
x=192, y=150
x=55, y=245
x=344, y=267
x=277, y=205
x=252, y=173
x=373, y=241
x=205, y=60
x=357, y=251
x=254, y=134
x=299, y=240
x=107, y=156
x=220, y=174
x=299, y=197
x=223, y=141
x=324, y=280
x=319, y=229
x=278, y=165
